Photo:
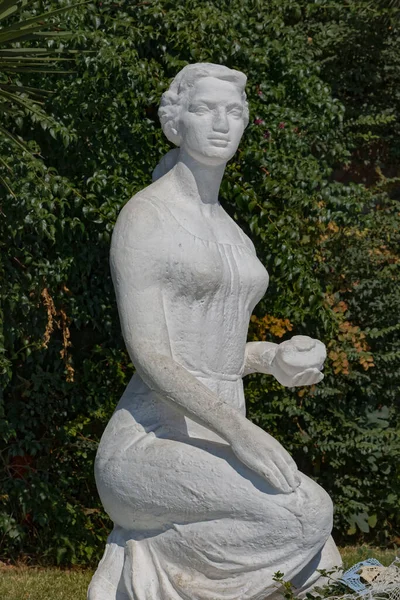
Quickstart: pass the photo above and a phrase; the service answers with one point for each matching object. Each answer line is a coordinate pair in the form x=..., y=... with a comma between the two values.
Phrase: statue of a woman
x=206, y=505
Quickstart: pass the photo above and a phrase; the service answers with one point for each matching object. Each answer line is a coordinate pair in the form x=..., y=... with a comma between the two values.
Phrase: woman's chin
x=213, y=155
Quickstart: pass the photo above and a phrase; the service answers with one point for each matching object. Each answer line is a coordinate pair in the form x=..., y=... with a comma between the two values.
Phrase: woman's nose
x=221, y=122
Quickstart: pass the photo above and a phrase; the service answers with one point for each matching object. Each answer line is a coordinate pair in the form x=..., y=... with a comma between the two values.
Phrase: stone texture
x=206, y=505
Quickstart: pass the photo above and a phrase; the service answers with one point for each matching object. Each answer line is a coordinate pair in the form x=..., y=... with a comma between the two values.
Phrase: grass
x=24, y=583
x=354, y=554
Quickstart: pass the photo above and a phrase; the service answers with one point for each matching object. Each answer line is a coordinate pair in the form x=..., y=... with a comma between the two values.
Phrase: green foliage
x=331, y=589
x=16, y=58
x=314, y=184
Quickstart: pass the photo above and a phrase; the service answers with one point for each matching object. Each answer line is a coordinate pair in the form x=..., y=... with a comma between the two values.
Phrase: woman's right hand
x=264, y=455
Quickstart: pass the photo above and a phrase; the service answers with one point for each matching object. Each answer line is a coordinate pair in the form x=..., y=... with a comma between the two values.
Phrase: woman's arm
x=259, y=357
x=139, y=265
x=295, y=362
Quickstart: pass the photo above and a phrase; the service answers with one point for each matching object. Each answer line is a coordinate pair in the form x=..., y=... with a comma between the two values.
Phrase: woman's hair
x=177, y=95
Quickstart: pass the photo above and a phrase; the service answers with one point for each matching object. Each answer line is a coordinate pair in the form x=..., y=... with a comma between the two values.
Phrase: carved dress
x=191, y=521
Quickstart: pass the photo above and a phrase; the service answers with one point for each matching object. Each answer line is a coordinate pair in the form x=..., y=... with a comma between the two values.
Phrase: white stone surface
x=206, y=505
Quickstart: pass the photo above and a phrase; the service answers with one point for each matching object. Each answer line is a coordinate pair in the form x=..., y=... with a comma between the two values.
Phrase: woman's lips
x=215, y=141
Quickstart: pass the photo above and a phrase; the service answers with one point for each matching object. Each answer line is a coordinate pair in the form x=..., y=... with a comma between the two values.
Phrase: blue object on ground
x=352, y=579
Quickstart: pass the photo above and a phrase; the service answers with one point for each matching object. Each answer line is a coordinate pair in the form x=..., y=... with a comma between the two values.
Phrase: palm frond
x=18, y=60
x=17, y=100
x=24, y=89
x=33, y=22
x=15, y=140
x=11, y=52
x=10, y=7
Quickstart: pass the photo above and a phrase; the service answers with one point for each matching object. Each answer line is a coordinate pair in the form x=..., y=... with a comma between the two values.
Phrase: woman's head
x=205, y=111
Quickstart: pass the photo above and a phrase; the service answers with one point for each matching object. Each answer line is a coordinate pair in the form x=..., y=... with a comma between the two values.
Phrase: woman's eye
x=200, y=110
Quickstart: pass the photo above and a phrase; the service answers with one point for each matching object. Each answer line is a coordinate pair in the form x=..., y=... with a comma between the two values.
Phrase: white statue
x=206, y=505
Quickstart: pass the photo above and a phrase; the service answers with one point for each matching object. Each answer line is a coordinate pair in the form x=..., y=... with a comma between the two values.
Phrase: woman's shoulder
x=140, y=207
x=141, y=218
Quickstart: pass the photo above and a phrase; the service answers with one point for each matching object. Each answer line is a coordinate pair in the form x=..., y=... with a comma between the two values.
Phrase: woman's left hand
x=299, y=361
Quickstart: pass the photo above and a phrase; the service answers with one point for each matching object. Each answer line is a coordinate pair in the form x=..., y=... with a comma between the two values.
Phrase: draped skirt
x=191, y=521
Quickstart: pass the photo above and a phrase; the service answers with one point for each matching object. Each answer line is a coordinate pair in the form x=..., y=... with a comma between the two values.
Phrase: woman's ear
x=175, y=128
x=172, y=133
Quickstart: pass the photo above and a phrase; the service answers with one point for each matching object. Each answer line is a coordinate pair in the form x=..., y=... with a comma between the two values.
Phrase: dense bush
x=313, y=184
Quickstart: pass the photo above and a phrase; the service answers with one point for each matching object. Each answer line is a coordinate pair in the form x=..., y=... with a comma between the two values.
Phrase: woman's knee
x=317, y=509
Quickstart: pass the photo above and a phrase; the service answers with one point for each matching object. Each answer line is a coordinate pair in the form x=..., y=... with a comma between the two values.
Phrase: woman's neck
x=199, y=183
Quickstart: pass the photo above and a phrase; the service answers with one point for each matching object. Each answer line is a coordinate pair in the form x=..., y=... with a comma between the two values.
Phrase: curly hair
x=173, y=99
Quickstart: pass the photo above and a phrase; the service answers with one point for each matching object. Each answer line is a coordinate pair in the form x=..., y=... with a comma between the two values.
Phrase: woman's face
x=211, y=123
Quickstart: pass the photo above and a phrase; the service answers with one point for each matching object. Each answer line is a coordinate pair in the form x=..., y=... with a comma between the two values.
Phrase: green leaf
x=372, y=521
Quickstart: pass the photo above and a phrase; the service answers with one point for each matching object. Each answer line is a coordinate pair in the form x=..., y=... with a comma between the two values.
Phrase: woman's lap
x=158, y=483
x=184, y=506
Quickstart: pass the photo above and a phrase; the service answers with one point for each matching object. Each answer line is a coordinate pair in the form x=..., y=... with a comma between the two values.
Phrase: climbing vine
x=314, y=184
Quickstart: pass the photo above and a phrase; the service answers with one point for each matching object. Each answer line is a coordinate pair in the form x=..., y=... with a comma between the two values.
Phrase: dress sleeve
x=139, y=266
